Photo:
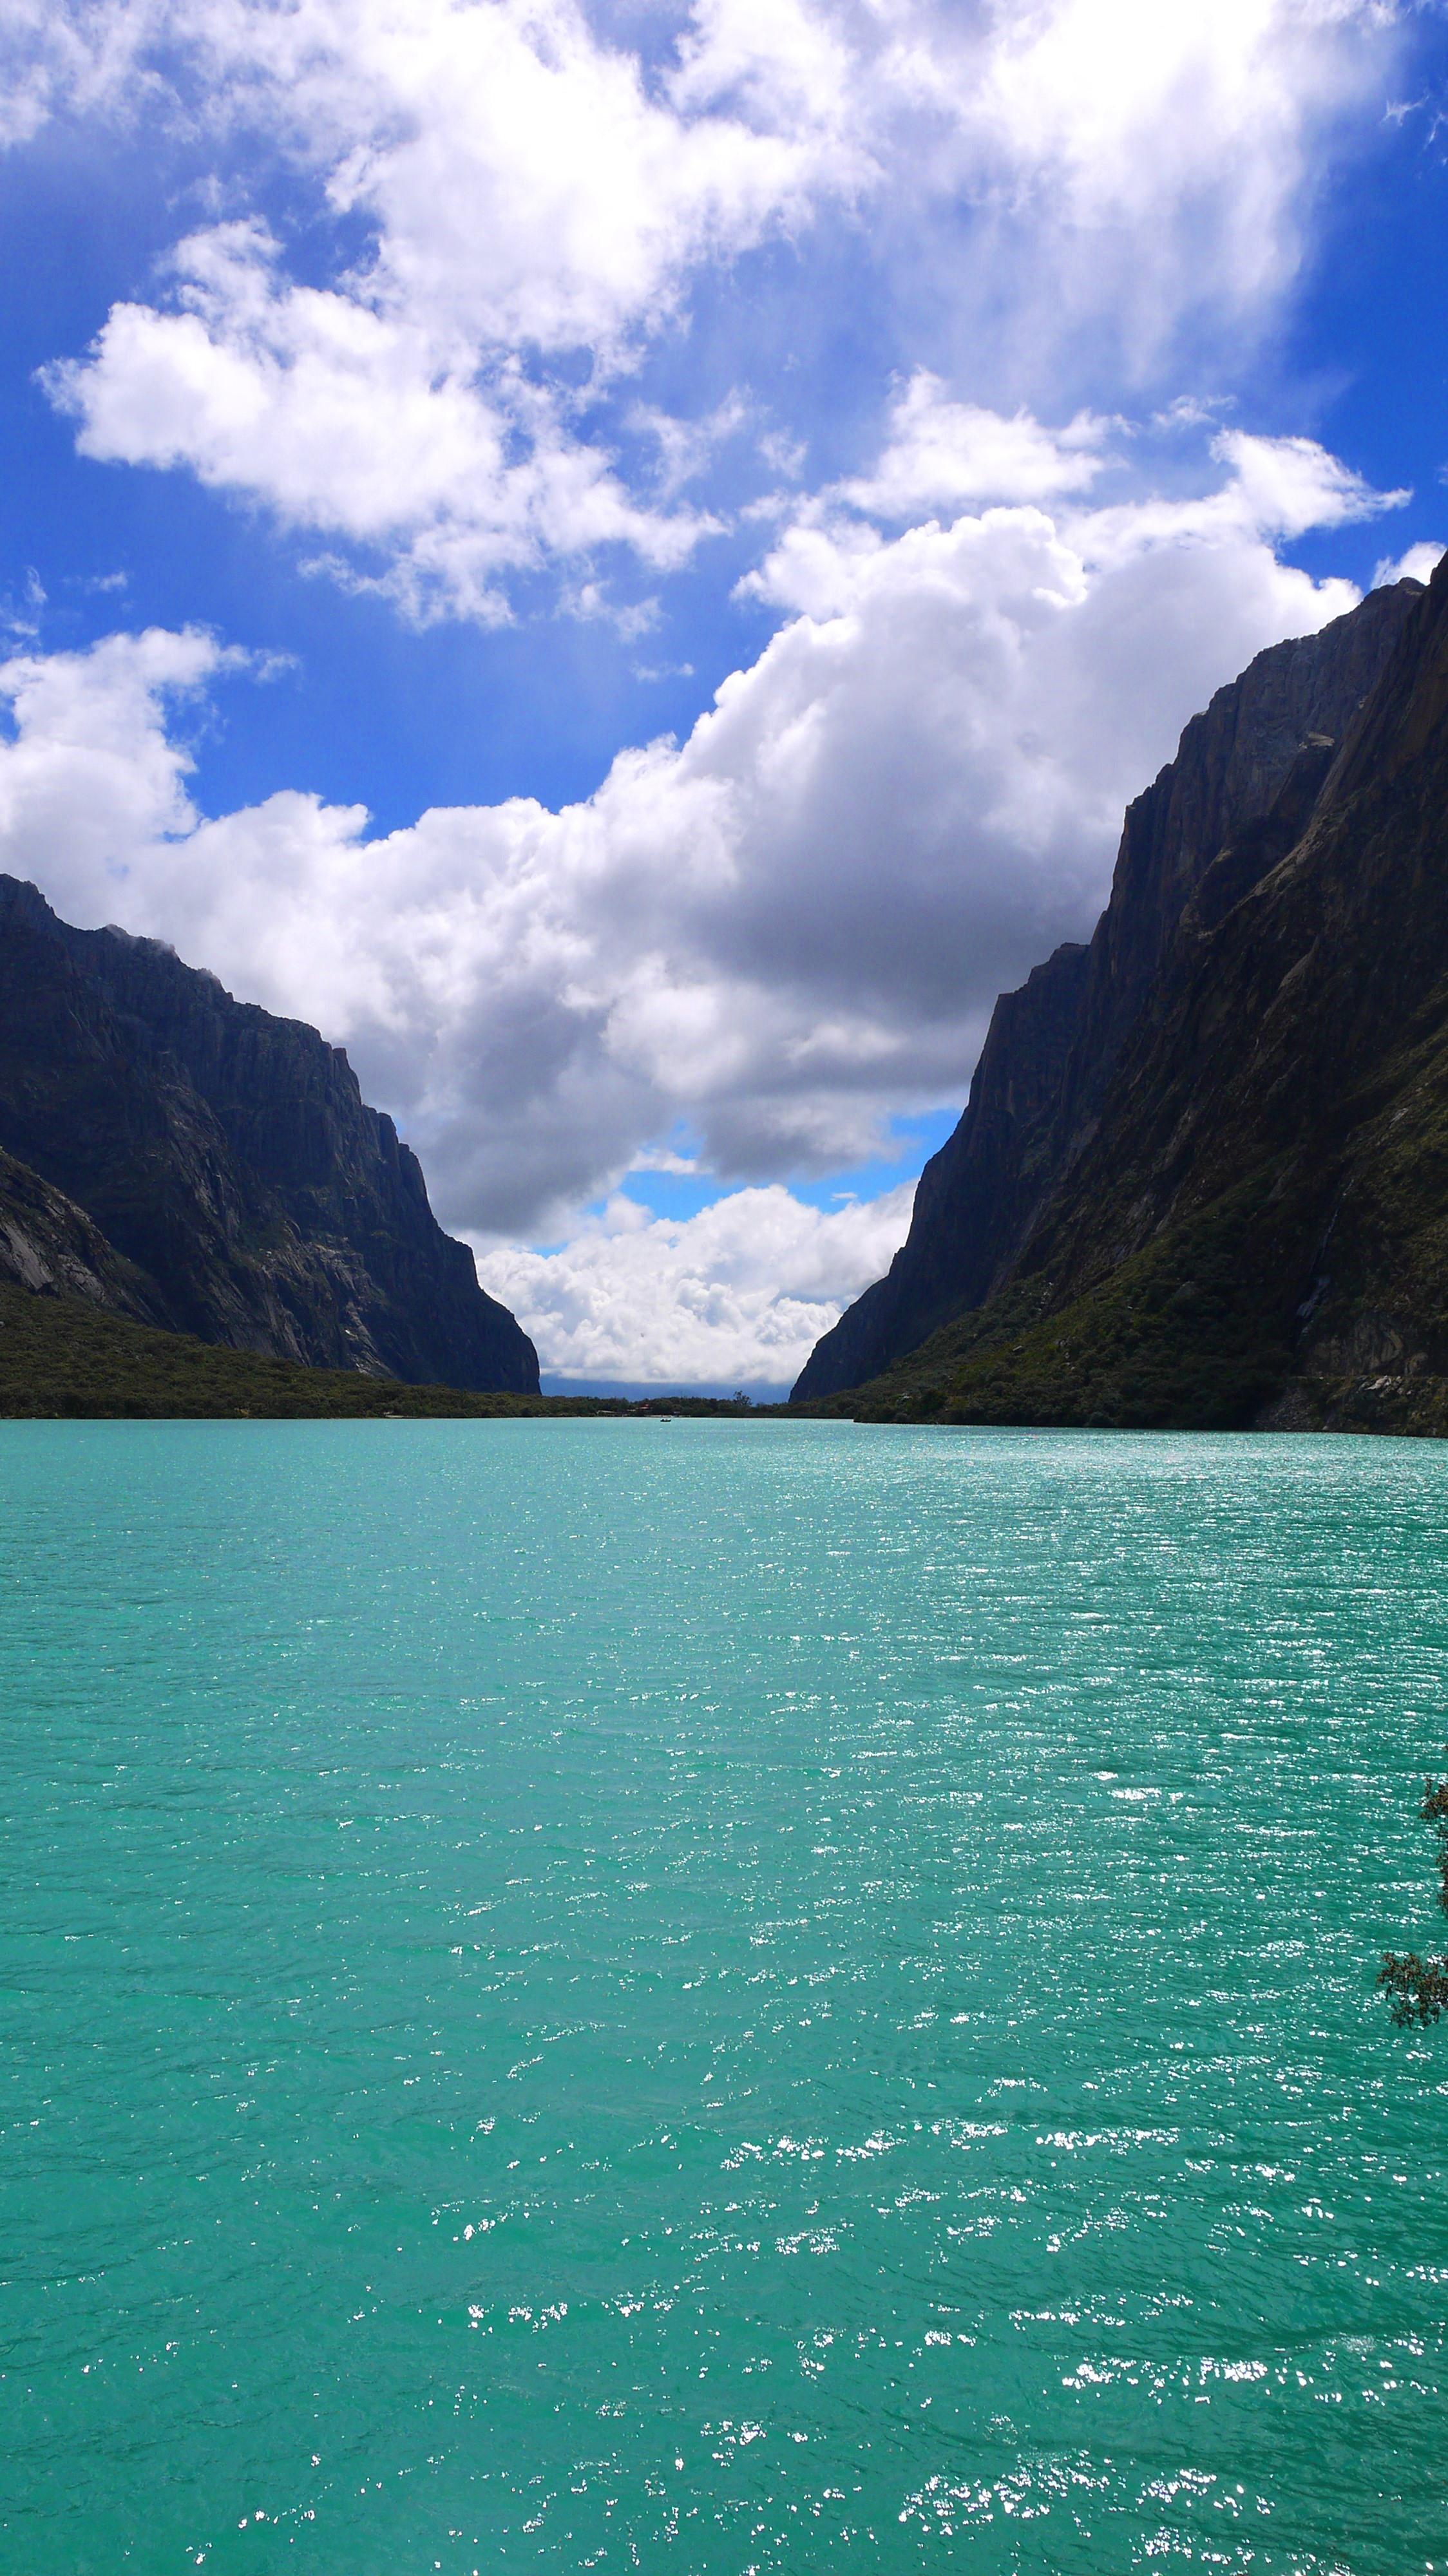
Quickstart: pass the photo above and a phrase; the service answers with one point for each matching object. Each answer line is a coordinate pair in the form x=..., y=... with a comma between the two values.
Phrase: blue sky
x=414, y=416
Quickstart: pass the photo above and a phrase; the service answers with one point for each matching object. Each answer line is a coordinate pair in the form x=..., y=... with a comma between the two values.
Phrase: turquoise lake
x=738, y=1998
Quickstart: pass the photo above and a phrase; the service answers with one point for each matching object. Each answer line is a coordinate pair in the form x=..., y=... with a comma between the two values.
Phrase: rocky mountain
x=1255, y=1229
x=1246, y=774
x=193, y=1162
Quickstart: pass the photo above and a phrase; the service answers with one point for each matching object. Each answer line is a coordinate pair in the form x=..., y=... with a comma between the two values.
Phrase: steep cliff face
x=49, y=1245
x=1054, y=1045
x=975, y=1194
x=1231, y=765
x=1257, y=1226
x=228, y=1160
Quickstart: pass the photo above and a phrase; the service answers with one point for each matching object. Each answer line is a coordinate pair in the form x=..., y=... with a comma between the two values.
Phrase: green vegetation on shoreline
x=1186, y=1336
x=60, y=1358
x=1108, y=1365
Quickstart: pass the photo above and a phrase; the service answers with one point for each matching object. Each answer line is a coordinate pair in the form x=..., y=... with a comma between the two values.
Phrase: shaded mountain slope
x=1257, y=1228
x=63, y=1357
x=1053, y=1045
x=225, y=1158
x=49, y=1245
x=975, y=1196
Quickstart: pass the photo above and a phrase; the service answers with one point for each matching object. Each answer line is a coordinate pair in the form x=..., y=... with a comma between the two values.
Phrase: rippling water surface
x=718, y=1997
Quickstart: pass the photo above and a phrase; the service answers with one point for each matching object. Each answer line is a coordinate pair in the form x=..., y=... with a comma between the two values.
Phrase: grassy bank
x=59, y=1359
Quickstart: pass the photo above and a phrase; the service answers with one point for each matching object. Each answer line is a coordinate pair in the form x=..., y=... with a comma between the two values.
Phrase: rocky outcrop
x=227, y=1162
x=1053, y=1046
x=1256, y=1228
x=49, y=1245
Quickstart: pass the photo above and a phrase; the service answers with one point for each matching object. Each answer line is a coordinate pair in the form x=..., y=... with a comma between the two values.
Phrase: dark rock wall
x=50, y=1246
x=228, y=1156
x=972, y=1194
x=1301, y=1031
x=1230, y=767
x=1053, y=1046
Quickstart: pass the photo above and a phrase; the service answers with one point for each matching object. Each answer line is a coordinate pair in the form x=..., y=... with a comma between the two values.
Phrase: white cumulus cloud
x=528, y=196
x=737, y=1295
x=1419, y=563
x=537, y=200
x=776, y=935
x=940, y=453
x=348, y=422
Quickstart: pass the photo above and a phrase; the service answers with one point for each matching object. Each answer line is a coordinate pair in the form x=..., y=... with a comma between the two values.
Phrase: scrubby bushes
x=1418, y=1988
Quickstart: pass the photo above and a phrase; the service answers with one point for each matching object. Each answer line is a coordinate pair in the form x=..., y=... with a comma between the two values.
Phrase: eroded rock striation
x=1245, y=778
x=194, y=1162
x=49, y=1245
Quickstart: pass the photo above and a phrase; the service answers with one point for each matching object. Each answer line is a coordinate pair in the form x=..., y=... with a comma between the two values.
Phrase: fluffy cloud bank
x=737, y=1295
x=536, y=201
x=775, y=935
